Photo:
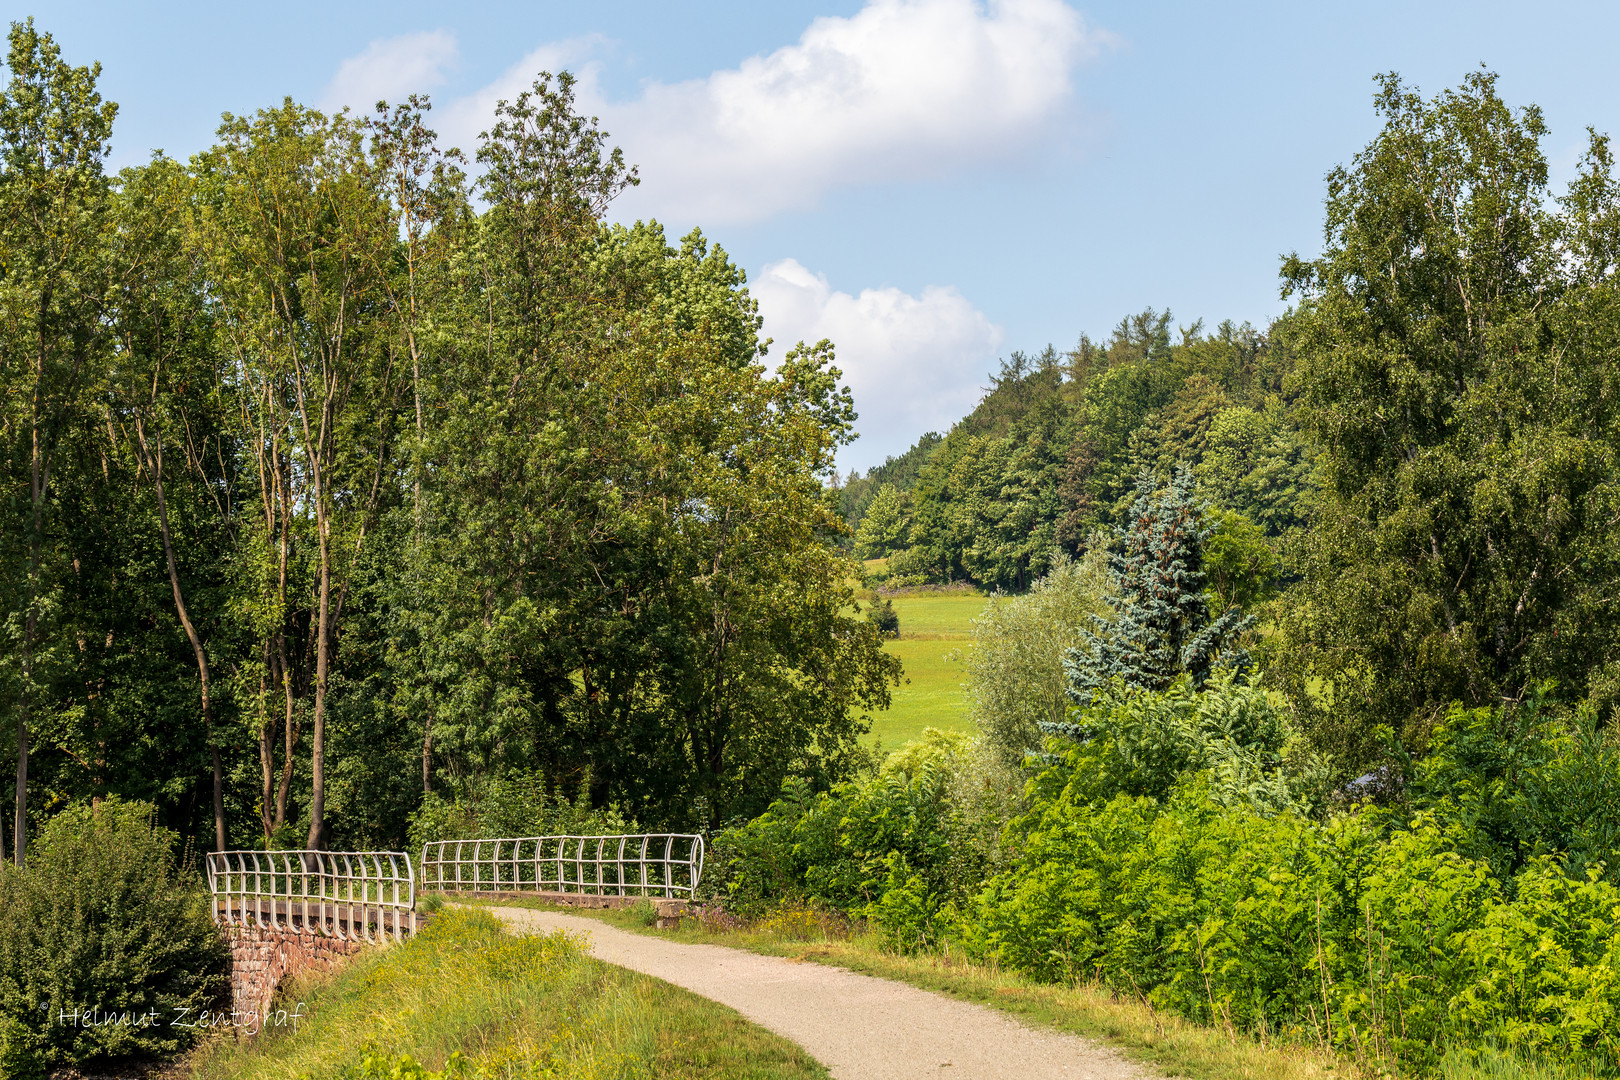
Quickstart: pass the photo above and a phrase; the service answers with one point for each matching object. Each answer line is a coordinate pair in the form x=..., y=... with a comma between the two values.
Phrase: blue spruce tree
x=1162, y=628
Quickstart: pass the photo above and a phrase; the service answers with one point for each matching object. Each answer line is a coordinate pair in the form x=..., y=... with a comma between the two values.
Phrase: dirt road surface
x=861, y=1028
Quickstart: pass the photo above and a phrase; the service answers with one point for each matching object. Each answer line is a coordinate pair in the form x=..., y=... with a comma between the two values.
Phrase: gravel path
x=861, y=1028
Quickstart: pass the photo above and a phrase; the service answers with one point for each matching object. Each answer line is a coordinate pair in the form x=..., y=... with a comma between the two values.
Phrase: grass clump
x=465, y=1000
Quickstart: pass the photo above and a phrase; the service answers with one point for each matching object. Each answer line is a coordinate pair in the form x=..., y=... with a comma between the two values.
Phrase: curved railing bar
x=351, y=892
x=568, y=863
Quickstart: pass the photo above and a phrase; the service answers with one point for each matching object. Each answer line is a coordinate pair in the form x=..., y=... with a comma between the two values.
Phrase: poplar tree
x=54, y=198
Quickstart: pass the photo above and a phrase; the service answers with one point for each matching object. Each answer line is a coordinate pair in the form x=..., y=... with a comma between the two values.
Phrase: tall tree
x=427, y=190
x=294, y=229
x=164, y=347
x=1456, y=344
x=53, y=216
x=1161, y=627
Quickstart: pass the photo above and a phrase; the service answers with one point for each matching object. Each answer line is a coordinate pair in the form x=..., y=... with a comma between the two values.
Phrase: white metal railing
x=643, y=864
x=353, y=895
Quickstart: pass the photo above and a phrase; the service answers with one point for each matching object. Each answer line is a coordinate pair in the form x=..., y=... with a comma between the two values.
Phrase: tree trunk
x=323, y=639
x=427, y=755
x=416, y=553
x=153, y=460
x=38, y=477
x=267, y=755
x=290, y=731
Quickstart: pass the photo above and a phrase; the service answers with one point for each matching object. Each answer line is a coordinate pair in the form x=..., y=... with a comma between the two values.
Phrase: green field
x=935, y=632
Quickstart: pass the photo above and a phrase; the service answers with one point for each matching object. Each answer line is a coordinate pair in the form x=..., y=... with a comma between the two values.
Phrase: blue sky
x=931, y=183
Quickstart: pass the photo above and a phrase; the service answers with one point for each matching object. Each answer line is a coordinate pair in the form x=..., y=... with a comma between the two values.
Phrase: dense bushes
x=102, y=922
x=1145, y=744
x=895, y=847
x=1369, y=932
x=1189, y=852
x=1015, y=667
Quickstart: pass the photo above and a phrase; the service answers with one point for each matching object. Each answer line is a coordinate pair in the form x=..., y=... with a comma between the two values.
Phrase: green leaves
x=101, y=921
x=1451, y=362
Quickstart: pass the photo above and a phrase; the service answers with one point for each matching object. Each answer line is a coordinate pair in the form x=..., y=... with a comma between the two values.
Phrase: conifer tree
x=1161, y=627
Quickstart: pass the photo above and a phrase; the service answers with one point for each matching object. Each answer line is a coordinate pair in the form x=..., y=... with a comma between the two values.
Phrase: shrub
x=1015, y=668
x=885, y=618
x=103, y=921
x=1371, y=933
x=644, y=911
x=835, y=848
x=1522, y=783
x=1138, y=742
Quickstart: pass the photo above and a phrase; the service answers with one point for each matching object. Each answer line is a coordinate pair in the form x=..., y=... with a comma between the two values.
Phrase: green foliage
x=884, y=617
x=1162, y=627
x=1053, y=449
x=454, y=488
x=513, y=805
x=843, y=848
x=1256, y=460
x=1391, y=946
x=856, y=492
x=886, y=526
x=1520, y=784
x=644, y=912
x=1145, y=744
x=102, y=923
x=1454, y=345
x=1241, y=564
x=1015, y=666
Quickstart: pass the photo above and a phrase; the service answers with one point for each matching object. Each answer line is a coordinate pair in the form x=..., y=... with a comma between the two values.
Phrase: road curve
x=860, y=1027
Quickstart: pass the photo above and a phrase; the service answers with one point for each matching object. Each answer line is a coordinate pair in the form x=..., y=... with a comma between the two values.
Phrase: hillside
x=1053, y=451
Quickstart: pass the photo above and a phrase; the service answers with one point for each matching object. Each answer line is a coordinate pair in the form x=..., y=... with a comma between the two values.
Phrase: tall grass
x=467, y=1000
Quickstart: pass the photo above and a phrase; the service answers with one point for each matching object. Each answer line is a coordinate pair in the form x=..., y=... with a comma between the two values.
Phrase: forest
x=362, y=491
x=337, y=478
x=1409, y=478
x=346, y=471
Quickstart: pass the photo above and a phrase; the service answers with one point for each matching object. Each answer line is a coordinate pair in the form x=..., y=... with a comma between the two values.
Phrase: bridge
x=290, y=912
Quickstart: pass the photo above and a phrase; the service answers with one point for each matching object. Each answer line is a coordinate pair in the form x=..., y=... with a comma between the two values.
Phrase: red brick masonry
x=261, y=958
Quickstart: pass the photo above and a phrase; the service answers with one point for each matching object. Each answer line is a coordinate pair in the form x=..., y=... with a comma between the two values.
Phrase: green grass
x=1169, y=1044
x=517, y=1007
x=948, y=616
x=933, y=626
x=930, y=693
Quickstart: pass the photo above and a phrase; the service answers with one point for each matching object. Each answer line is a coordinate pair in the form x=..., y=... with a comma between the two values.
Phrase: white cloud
x=903, y=89
x=913, y=363
x=392, y=69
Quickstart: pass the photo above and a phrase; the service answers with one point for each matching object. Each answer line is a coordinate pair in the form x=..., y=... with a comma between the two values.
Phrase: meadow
x=936, y=630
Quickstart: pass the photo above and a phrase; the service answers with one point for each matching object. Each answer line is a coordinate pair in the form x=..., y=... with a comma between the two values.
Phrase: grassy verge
x=466, y=998
x=1170, y=1045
